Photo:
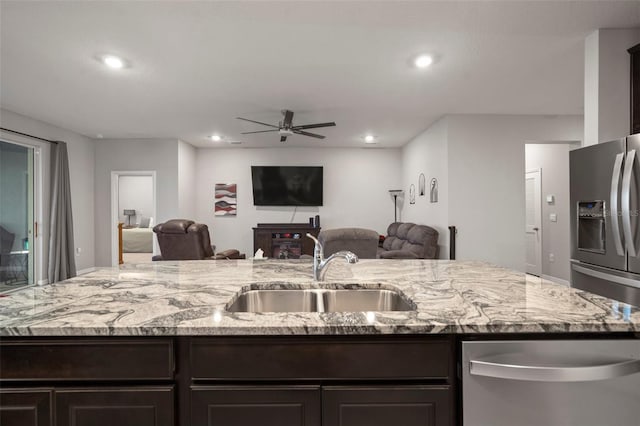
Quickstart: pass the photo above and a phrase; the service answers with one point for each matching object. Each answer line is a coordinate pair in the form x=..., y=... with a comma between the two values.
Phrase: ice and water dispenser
x=591, y=226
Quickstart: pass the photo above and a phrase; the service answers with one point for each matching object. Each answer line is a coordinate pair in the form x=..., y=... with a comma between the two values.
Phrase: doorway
x=551, y=158
x=133, y=215
x=533, y=219
x=17, y=215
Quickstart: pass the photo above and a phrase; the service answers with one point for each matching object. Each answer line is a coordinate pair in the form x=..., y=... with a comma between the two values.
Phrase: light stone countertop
x=189, y=298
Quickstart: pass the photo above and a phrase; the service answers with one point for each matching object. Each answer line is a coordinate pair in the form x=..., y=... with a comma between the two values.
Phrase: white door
x=533, y=225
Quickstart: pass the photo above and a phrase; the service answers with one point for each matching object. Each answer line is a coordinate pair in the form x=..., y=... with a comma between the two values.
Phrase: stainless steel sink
x=276, y=301
x=320, y=300
x=364, y=300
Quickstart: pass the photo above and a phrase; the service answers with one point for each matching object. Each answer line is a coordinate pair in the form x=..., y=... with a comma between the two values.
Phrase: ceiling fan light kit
x=286, y=127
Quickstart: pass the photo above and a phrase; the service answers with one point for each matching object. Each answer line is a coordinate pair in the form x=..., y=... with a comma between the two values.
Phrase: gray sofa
x=362, y=242
x=409, y=241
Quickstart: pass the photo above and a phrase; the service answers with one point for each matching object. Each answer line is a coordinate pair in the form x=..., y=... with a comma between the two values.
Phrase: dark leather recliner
x=182, y=239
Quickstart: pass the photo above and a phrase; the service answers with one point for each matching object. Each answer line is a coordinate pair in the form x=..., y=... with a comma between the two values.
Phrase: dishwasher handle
x=489, y=368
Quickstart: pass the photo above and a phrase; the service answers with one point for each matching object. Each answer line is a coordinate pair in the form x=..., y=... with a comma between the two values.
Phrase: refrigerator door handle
x=607, y=277
x=615, y=219
x=626, y=202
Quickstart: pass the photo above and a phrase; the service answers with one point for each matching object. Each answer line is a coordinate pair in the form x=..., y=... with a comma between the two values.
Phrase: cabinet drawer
x=320, y=358
x=92, y=360
x=130, y=406
x=255, y=405
x=387, y=406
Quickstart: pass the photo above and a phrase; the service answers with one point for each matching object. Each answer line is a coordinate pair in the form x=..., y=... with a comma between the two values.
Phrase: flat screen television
x=286, y=186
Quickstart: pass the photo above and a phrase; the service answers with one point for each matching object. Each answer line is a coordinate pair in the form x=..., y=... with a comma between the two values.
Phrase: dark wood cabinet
x=26, y=407
x=120, y=407
x=228, y=381
x=635, y=88
x=87, y=382
x=255, y=405
x=284, y=240
x=386, y=406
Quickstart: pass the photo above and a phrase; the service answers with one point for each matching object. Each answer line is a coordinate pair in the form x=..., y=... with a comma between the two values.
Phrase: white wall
x=553, y=160
x=159, y=155
x=81, y=152
x=427, y=153
x=486, y=180
x=356, y=184
x=607, y=84
x=135, y=193
x=186, y=180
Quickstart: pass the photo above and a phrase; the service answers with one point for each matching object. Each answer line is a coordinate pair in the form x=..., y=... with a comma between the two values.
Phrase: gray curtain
x=62, y=264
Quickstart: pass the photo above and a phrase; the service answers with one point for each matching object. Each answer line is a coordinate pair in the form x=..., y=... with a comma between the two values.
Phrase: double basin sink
x=320, y=300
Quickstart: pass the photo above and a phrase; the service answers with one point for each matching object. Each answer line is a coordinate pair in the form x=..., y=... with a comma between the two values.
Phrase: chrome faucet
x=320, y=263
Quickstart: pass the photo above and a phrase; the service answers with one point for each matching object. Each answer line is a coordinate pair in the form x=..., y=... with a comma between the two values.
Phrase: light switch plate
x=550, y=199
x=553, y=217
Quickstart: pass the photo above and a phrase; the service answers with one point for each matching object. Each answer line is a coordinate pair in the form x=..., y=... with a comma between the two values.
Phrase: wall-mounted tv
x=286, y=186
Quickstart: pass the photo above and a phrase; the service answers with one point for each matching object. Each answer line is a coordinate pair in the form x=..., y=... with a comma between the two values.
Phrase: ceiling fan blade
x=288, y=118
x=257, y=122
x=283, y=138
x=259, y=131
x=313, y=126
x=313, y=135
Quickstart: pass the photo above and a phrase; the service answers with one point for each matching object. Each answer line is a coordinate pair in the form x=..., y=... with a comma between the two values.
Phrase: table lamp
x=128, y=214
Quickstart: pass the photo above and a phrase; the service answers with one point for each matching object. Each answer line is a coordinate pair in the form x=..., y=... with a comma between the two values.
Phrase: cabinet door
x=387, y=406
x=21, y=407
x=143, y=406
x=255, y=405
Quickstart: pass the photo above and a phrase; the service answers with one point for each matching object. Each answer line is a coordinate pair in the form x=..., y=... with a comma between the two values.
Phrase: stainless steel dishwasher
x=551, y=383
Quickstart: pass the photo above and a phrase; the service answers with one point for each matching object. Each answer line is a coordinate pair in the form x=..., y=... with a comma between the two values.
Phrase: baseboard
x=556, y=280
x=86, y=270
x=43, y=282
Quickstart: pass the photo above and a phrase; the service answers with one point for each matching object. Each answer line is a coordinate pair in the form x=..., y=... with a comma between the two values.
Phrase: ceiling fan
x=286, y=127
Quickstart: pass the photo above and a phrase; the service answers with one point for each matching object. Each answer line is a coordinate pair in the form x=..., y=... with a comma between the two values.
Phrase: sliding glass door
x=16, y=216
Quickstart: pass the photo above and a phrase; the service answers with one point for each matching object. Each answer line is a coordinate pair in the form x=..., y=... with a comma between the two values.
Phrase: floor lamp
x=395, y=193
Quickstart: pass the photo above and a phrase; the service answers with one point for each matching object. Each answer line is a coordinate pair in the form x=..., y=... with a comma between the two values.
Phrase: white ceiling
x=197, y=65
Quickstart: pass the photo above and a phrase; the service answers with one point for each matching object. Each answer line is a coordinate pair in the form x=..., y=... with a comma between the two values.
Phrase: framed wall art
x=226, y=199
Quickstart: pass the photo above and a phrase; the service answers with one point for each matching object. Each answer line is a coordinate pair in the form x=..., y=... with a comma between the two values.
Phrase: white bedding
x=137, y=240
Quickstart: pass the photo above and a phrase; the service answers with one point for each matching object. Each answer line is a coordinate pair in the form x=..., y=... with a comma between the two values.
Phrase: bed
x=137, y=240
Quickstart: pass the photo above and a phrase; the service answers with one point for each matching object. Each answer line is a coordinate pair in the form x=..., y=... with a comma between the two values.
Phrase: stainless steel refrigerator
x=605, y=239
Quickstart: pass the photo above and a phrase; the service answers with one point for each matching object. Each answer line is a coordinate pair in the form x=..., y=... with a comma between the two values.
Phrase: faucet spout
x=320, y=264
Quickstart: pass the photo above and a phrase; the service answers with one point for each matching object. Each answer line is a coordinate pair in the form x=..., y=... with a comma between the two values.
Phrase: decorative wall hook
x=433, y=190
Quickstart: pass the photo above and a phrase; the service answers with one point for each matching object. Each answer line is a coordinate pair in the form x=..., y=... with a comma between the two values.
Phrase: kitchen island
x=154, y=344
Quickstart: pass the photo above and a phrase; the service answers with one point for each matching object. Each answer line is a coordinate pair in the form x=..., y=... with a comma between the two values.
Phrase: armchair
x=182, y=239
x=362, y=242
x=6, y=243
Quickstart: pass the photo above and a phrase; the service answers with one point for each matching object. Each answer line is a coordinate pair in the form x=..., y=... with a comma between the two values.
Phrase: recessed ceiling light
x=370, y=139
x=113, y=62
x=423, y=61
x=216, y=138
